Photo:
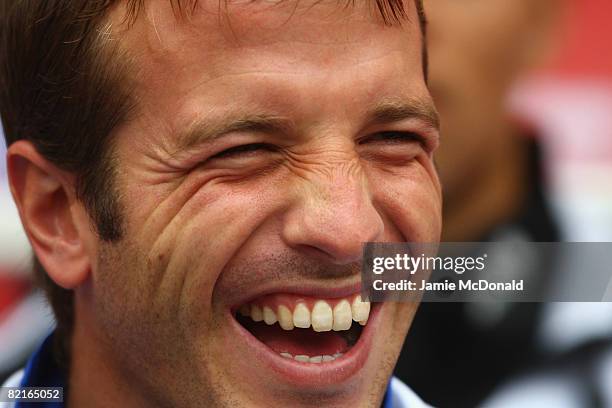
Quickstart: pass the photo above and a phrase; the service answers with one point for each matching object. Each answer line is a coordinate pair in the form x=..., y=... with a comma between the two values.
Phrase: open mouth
x=307, y=330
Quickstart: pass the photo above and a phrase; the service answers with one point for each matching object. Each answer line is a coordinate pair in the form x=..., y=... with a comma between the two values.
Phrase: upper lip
x=315, y=290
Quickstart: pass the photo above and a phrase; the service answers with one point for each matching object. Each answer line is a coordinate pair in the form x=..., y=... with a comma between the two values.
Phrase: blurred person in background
x=569, y=103
x=25, y=318
x=492, y=179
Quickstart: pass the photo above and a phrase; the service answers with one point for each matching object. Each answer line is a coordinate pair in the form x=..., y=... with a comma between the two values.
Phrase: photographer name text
x=448, y=285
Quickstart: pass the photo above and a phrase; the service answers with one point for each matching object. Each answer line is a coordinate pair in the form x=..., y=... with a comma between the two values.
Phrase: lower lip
x=312, y=374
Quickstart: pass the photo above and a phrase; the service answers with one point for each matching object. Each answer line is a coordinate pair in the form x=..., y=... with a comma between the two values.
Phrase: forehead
x=243, y=47
x=216, y=28
x=391, y=12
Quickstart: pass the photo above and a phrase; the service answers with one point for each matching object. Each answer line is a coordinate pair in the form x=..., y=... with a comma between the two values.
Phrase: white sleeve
x=403, y=397
x=13, y=381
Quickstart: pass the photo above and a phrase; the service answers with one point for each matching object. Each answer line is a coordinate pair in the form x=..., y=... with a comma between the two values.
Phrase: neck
x=493, y=197
x=95, y=375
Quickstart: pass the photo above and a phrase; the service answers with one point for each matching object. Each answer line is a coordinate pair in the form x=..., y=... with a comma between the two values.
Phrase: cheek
x=403, y=316
x=187, y=249
x=162, y=290
x=411, y=200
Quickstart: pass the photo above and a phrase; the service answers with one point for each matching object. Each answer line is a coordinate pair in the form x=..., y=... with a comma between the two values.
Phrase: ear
x=56, y=223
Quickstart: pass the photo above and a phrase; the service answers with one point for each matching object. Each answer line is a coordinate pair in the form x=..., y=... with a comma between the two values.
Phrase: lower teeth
x=314, y=359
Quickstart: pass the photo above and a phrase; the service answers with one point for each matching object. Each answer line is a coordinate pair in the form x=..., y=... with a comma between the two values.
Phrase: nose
x=333, y=217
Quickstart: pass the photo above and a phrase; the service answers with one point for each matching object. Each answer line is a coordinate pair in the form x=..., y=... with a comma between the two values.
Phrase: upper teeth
x=268, y=315
x=301, y=316
x=342, y=316
x=322, y=317
x=285, y=317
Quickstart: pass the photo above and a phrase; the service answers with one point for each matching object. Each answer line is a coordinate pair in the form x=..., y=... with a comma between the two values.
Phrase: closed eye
x=393, y=137
x=244, y=150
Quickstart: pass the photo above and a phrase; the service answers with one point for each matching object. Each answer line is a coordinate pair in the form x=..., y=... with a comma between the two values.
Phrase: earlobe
x=50, y=214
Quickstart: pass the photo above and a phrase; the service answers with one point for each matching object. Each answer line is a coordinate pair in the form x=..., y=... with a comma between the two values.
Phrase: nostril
x=335, y=249
x=338, y=252
x=340, y=243
x=314, y=252
x=335, y=227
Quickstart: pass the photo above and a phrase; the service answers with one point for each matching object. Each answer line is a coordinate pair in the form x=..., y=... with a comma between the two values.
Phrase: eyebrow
x=208, y=130
x=397, y=110
x=203, y=131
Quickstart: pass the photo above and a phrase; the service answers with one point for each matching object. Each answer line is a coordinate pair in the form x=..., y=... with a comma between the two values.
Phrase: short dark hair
x=63, y=88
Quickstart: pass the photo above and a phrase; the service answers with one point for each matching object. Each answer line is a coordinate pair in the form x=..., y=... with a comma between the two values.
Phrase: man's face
x=269, y=142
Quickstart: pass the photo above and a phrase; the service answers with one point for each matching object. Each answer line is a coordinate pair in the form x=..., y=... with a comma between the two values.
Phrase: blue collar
x=43, y=371
x=387, y=399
